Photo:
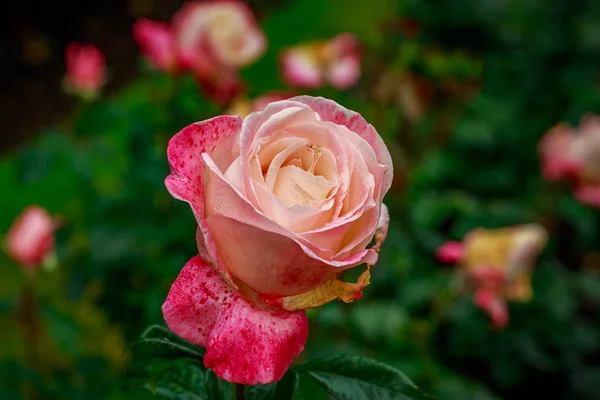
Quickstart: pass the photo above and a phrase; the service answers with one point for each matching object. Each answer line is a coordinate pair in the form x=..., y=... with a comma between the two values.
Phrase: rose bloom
x=497, y=264
x=157, y=42
x=216, y=38
x=567, y=152
x=243, y=106
x=85, y=70
x=30, y=239
x=336, y=62
x=285, y=199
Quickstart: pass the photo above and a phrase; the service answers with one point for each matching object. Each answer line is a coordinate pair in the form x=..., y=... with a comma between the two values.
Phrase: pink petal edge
x=186, y=181
x=244, y=344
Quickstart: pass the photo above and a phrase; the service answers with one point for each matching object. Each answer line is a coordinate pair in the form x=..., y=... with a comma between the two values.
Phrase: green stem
x=29, y=320
x=240, y=392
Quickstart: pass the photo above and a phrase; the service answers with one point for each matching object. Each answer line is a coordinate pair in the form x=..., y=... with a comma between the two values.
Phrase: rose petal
x=157, y=42
x=244, y=344
x=494, y=306
x=330, y=111
x=344, y=73
x=267, y=262
x=187, y=182
x=588, y=194
x=301, y=68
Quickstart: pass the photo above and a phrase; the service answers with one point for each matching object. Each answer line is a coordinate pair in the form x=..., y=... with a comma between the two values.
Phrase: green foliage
x=500, y=72
x=355, y=377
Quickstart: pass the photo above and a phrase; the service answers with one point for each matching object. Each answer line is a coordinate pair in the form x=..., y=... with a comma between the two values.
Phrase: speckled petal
x=244, y=344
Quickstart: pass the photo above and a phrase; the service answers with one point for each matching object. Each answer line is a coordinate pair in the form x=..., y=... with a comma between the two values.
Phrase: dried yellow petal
x=331, y=289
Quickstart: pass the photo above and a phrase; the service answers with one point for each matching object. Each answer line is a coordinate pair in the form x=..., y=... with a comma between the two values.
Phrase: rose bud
x=243, y=106
x=571, y=153
x=85, y=70
x=336, y=62
x=157, y=42
x=285, y=199
x=30, y=240
x=499, y=264
x=216, y=38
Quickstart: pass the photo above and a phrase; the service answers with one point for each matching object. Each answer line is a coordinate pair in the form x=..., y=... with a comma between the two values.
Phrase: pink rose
x=336, y=62
x=30, y=239
x=285, y=200
x=571, y=153
x=214, y=39
x=86, y=70
x=157, y=42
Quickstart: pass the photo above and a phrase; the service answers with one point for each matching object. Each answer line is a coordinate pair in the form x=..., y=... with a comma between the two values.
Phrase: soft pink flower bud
x=30, y=239
x=450, y=252
x=157, y=42
x=85, y=70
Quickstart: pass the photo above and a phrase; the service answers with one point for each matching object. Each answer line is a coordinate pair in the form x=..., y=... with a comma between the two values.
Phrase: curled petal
x=244, y=344
x=382, y=227
x=331, y=289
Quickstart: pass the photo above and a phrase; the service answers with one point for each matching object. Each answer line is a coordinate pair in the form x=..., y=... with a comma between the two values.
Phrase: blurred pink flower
x=450, y=252
x=285, y=199
x=216, y=38
x=85, y=70
x=30, y=239
x=157, y=42
x=566, y=152
x=498, y=264
x=311, y=65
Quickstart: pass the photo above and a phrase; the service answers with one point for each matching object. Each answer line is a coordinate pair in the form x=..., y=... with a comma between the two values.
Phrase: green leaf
x=182, y=380
x=348, y=377
x=162, y=342
x=282, y=390
x=217, y=389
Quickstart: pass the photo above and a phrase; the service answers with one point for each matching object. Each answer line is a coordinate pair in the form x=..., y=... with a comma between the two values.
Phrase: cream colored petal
x=296, y=186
